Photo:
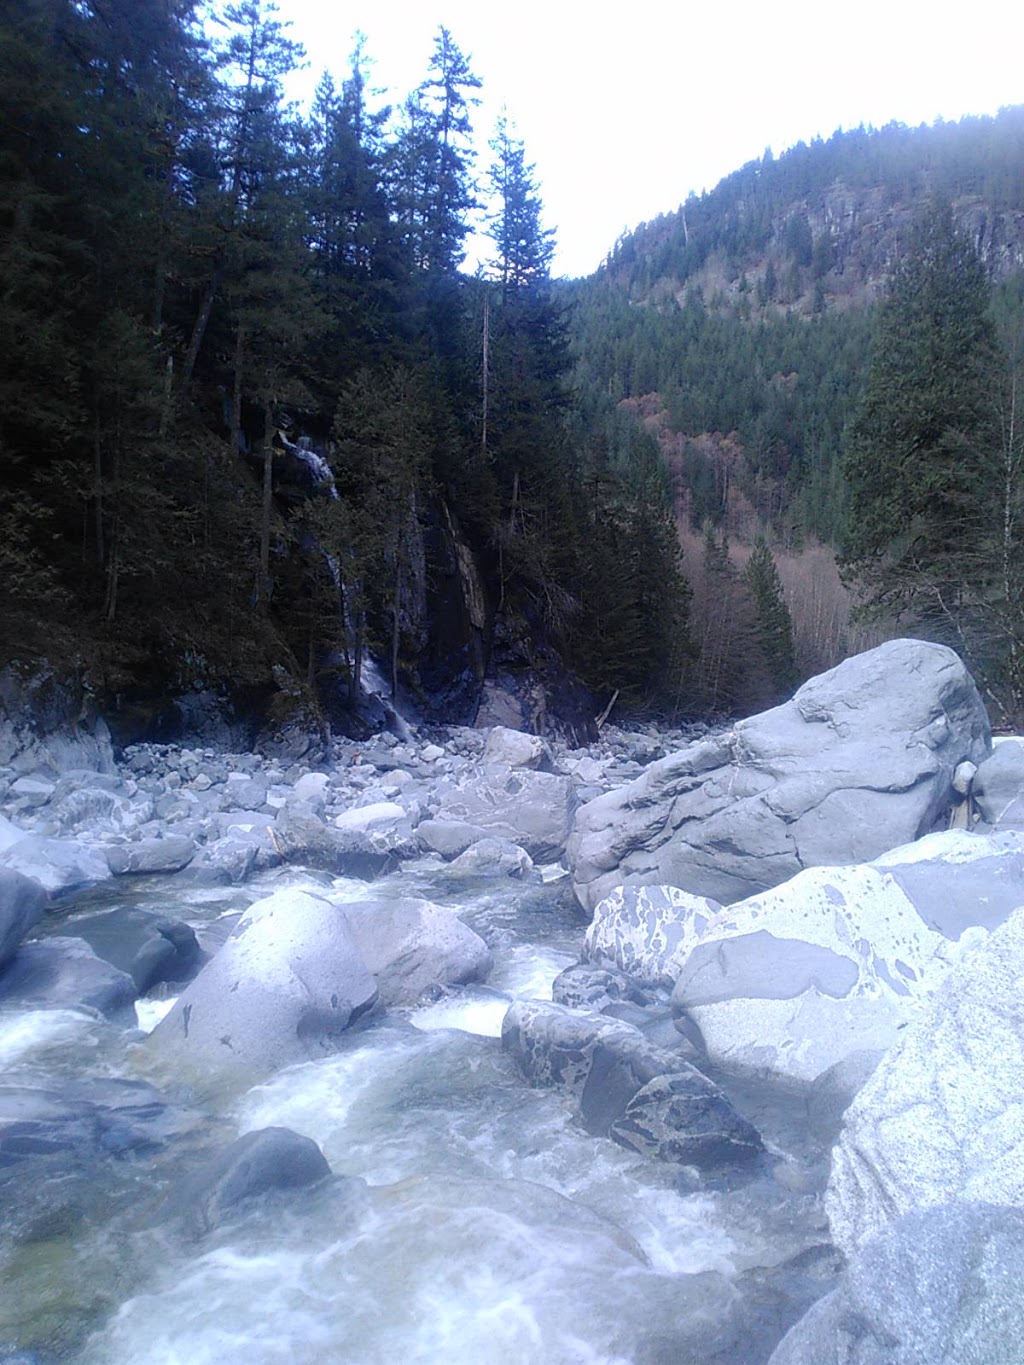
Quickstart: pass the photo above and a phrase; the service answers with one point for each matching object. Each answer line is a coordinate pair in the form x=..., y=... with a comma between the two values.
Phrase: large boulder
x=59, y=865
x=532, y=809
x=937, y=1285
x=22, y=903
x=283, y=987
x=644, y=1097
x=414, y=947
x=841, y=959
x=517, y=749
x=860, y=760
x=941, y=1118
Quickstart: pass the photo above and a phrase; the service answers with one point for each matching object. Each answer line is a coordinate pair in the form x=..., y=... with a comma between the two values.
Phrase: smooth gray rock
x=287, y=982
x=65, y=973
x=414, y=948
x=860, y=760
x=493, y=858
x=998, y=786
x=261, y=1161
x=22, y=904
x=170, y=854
x=940, y=1285
x=59, y=865
x=448, y=837
x=300, y=836
x=517, y=749
x=150, y=948
x=942, y=1117
x=645, y=1097
x=532, y=809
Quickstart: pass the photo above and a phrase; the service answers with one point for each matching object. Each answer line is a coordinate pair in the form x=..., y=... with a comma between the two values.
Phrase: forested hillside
x=256, y=421
x=738, y=332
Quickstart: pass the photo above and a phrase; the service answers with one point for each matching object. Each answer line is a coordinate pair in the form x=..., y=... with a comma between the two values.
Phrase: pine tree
x=774, y=624
x=921, y=464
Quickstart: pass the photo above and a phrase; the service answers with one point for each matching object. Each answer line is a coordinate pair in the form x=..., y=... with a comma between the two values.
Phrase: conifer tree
x=773, y=622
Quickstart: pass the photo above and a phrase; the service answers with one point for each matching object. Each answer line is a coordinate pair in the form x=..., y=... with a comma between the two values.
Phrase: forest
x=256, y=421
x=751, y=332
x=259, y=423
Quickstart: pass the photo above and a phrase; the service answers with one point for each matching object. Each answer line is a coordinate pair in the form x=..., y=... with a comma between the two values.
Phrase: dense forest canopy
x=254, y=419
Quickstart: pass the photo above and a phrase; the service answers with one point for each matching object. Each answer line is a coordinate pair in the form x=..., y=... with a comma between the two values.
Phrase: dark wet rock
x=87, y=1118
x=582, y=986
x=685, y=1117
x=261, y=1161
x=50, y=724
x=149, y=947
x=643, y=1096
x=151, y=855
x=22, y=904
x=65, y=973
x=941, y=1284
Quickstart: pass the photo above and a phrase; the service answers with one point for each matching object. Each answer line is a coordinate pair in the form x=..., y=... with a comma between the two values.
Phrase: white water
x=471, y=1219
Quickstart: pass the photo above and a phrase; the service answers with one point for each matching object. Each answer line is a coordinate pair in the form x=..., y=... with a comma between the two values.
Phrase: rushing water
x=471, y=1220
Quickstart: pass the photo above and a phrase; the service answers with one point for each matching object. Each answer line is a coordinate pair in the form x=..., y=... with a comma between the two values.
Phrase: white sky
x=626, y=109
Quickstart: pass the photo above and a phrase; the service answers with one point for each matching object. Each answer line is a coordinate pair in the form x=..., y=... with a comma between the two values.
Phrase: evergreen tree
x=773, y=622
x=922, y=459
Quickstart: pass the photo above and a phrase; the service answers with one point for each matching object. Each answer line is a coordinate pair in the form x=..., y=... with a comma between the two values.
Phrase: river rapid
x=470, y=1218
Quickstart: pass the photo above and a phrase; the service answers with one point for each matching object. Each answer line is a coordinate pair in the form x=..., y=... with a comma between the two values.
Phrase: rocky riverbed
x=398, y=1054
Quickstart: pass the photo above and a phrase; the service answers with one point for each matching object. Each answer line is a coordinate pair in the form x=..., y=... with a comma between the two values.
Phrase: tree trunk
x=268, y=502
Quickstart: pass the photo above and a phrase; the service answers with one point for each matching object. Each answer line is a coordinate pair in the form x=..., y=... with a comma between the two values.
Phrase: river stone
x=643, y=929
x=300, y=836
x=685, y=1117
x=998, y=786
x=940, y=1284
x=594, y=988
x=59, y=865
x=493, y=858
x=169, y=854
x=532, y=809
x=860, y=760
x=448, y=837
x=64, y=973
x=942, y=1117
x=22, y=903
x=383, y=815
x=517, y=749
x=414, y=947
x=841, y=959
x=605, y=1064
x=264, y=1160
x=151, y=948
x=287, y=982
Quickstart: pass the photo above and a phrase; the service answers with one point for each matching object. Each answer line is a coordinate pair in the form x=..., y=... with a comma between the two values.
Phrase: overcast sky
x=624, y=116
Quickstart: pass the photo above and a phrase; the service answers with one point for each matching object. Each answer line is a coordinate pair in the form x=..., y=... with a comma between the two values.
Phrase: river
x=470, y=1221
